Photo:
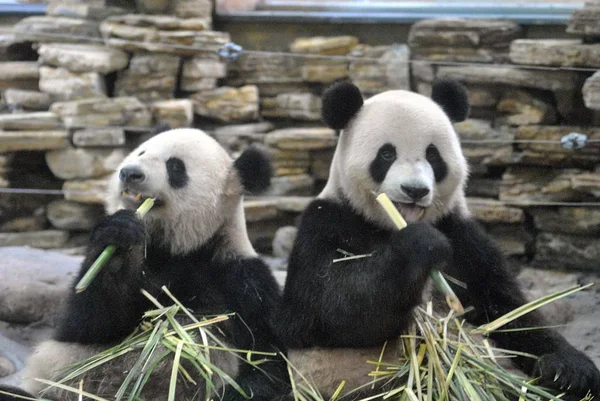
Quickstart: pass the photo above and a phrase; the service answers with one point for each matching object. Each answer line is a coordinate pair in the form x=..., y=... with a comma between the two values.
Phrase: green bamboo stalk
x=438, y=279
x=108, y=252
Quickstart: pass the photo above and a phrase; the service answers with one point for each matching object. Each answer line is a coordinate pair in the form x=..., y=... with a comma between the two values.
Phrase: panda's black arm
x=356, y=302
x=112, y=306
x=493, y=291
x=252, y=292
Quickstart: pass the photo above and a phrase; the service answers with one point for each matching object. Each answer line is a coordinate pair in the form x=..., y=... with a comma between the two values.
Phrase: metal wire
x=105, y=40
x=491, y=202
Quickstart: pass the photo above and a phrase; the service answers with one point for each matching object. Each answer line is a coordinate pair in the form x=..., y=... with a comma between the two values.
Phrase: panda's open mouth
x=410, y=211
x=135, y=199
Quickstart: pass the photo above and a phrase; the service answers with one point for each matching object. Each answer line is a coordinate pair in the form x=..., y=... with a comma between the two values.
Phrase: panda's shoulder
x=329, y=218
x=322, y=212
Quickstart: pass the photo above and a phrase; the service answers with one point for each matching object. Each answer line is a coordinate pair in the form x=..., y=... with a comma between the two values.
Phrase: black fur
x=160, y=128
x=493, y=291
x=366, y=301
x=113, y=306
x=341, y=102
x=386, y=156
x=452, y=97
x=440, y=169
x=361, y=302
x=176, y=171
x=255, y=170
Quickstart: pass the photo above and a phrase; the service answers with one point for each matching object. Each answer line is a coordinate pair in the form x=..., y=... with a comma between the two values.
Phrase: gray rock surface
x=33, y=286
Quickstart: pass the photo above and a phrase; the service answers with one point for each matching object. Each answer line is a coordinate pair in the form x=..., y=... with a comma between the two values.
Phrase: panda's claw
x=568, y=370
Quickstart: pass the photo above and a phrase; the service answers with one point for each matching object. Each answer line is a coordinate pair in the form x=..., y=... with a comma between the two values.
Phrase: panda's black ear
x=341, y=102
x=160, y=128
x=452, y=97
x=255, y=170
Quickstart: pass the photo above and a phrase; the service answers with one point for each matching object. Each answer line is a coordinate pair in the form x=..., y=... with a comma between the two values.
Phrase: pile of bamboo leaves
x=191, y=343
x=442, y=359
x=446, y=360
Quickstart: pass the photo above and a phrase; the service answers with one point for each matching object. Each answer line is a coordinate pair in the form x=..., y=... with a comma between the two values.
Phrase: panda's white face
x=403, y=144
x=192, y=180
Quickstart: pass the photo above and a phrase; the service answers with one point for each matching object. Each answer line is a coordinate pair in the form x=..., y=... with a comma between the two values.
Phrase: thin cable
x=148, y=129
x=106, y=40
x=491, y=202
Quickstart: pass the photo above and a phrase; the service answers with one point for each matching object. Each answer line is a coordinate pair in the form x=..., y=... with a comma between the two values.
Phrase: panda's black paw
x=568, y=370
x=123, y=229
x=424, y=245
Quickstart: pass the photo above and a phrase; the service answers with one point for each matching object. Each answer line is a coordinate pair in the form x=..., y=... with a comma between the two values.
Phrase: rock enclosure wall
x=88, y=81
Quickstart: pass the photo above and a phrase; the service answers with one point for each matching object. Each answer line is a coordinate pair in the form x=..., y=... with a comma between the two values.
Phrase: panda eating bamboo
x=336, y=316
x=194, y=242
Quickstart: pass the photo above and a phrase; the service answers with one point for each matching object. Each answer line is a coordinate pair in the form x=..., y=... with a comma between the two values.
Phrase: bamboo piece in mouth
x=437, y=276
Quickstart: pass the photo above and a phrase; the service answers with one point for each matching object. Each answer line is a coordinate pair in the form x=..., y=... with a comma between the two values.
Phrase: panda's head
x=196, y=185
x=400, y=143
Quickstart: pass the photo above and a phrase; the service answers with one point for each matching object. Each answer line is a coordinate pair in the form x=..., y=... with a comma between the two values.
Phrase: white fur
x=410, y=122
x=211, y=201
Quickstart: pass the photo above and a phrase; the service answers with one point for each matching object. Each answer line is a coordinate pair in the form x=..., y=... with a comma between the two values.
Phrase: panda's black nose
x=131, y=175
x=414, y=192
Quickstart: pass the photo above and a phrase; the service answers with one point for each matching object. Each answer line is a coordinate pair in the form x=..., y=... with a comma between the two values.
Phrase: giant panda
x=194, y=242
x=336, y=316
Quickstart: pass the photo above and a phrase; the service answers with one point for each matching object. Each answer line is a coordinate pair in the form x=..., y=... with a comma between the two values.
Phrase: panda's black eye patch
x=382, y=162
x=178, y=177
x=440, y=169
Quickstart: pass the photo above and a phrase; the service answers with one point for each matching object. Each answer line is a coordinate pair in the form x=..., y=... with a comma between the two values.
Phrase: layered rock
x=555, y=52
x=484, y=145
x=158, y=33
x=56, y=29
x=560, y=251
x=228, y=104
x=86, y=191
x=457, y=39
x=73, y=216
x=591, y=92
x=71, y=163
x=582, y=221
x=175, y=113
x=19, y=75
x=540, y=184
x=149, y=77
x=201, y=73
x=18, y=99
x=29, y=121
x=585, y=21
x=11, y=141
x=95, y=11
x=302, y=139
x=335, y=45
x=98, y=137
x=83, y=57
x=120, y=111
x=522, y=108
x=383, y=68
x=548, y=80
x=299, y=106
x=548, y=150
x=62, y=84
x=48, y=239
